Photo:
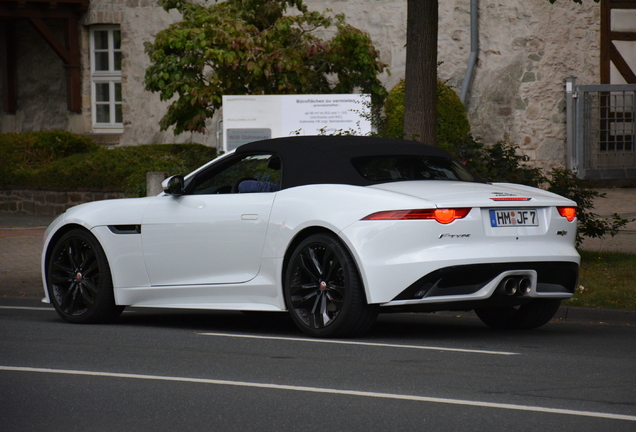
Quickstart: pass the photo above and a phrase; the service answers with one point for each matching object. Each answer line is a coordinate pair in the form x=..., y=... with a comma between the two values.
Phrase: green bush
x=452, y=123
x=565, y=183
x=30, y=150
x=122, y=168
x=60, y=160
x=498, y=163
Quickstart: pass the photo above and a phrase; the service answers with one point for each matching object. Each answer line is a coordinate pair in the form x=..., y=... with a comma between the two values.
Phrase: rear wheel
x=323, y=290
x=528, y=316
x=79, y=280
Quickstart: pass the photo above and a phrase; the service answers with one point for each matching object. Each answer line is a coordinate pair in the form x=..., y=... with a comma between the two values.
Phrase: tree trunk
x=420, y=92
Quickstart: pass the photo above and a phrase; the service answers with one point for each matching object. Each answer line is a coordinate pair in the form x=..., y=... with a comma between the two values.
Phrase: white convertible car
x=333, y=230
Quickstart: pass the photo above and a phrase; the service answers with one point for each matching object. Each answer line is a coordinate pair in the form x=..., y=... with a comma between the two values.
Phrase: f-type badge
x=453, y=236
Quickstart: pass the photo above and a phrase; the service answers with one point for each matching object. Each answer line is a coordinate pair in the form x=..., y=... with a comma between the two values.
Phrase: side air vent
x=125, y=229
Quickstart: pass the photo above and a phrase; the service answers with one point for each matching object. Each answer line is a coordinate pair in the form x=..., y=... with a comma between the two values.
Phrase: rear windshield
x=390, y=168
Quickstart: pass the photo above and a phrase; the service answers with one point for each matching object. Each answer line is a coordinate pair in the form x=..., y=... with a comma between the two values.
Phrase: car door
x=215, y=232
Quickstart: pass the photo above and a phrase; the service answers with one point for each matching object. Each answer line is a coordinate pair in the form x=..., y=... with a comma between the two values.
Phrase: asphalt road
x=158, y=370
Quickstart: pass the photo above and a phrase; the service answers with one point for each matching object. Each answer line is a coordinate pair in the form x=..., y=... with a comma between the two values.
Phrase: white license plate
x=516, y=217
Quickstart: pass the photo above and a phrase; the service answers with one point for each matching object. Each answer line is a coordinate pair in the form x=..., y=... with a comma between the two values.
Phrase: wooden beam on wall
x=50, y=38
x=606, y=23
x=8, y=68
x=621, y=65
x=73, y=69
x=69, y=52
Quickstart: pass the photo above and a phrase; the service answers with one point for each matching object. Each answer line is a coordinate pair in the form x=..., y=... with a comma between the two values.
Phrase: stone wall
x=527, y=49
x=48, y=203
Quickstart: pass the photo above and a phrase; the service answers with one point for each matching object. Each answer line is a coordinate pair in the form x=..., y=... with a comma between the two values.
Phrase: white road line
x=328, y=391
x=346, y=342
x=27, y=308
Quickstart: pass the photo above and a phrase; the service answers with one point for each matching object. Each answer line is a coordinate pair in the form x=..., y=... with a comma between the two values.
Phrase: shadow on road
x=399, y=326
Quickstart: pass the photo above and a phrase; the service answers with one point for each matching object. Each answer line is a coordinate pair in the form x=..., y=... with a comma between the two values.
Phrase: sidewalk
x=20, y=249
x=21, y=244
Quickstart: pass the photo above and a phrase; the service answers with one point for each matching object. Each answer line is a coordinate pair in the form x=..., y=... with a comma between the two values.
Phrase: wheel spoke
x=60, y=279
x=92, y=287
x=313, y=254
x=89, y=262
x=86, y=291
x=305, y=260
x=72, y=253
x=323, y=311
x=298, y=301
x=337, y=302
x=330, y=263
x=68, y=299
x=63, y=267
x=92, y=270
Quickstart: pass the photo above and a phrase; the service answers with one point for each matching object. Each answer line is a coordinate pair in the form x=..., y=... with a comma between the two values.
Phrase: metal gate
x=601, y=130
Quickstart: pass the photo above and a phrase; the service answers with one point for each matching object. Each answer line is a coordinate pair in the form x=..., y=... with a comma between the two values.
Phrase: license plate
x=516, y=217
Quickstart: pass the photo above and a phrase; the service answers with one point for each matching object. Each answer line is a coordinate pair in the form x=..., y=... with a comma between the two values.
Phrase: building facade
x=78, y=65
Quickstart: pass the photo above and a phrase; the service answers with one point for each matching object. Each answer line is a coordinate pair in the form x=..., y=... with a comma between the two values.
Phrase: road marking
x=27, y=308
x=328, y=391
x=346, y=342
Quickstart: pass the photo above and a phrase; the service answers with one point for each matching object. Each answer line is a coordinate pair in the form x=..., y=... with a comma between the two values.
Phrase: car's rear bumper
x=419, y=262
x=478, y=282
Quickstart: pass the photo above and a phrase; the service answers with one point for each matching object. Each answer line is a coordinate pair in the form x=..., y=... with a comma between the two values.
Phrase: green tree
x=242, y=47
x=451, y=121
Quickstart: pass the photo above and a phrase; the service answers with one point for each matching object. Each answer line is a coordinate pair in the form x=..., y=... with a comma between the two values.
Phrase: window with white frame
x=106, y=98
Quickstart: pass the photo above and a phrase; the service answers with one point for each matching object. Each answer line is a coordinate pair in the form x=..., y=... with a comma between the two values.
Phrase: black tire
x=79, y=280
x=323, y=290
x=528, y=316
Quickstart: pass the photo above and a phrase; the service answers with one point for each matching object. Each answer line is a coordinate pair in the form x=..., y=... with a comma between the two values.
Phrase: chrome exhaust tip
x=508, y=286
x=524, y=286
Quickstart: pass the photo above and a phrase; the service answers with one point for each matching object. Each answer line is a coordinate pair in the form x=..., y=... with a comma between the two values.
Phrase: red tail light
x=567, y=212
x=443, y=216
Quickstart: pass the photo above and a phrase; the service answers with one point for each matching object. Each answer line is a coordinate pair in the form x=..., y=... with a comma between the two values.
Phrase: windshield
x=392, y=168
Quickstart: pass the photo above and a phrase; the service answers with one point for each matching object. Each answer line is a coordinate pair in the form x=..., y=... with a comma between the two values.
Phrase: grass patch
x=606, y=280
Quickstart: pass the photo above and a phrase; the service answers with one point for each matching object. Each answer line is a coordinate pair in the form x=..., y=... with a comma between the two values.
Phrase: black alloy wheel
x=79, y=280
x=323, y=290
x=527, y=316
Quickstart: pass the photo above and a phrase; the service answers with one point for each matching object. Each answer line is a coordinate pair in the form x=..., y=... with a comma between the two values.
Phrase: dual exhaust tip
x=515, y=285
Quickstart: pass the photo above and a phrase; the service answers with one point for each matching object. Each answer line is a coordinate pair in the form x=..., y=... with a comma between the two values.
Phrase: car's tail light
x=567, y=212
x=443, y=216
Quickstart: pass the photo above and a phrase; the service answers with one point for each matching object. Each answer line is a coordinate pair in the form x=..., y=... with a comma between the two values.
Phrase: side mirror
x=174, y=185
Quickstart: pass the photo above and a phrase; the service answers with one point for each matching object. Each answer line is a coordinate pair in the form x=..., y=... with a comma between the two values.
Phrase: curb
x=572, y=314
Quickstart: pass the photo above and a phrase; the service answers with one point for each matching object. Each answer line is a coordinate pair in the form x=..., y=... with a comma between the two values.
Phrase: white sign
x=249, y=118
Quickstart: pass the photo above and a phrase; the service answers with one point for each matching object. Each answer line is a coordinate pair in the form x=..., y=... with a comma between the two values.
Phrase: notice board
x=252, y=118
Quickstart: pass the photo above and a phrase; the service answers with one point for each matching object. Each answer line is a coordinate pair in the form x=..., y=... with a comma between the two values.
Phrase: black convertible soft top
x=327, y=159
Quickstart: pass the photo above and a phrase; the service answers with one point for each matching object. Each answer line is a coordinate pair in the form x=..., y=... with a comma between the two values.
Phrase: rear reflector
x=567, y=212
x=443, y=216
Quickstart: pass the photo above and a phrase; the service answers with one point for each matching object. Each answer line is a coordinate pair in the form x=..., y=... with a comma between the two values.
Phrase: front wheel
x=79, y=281
x=323, y=290
x=528, y=316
